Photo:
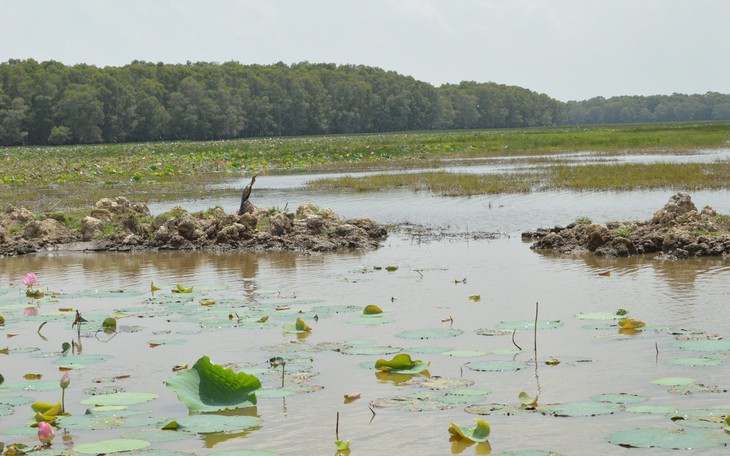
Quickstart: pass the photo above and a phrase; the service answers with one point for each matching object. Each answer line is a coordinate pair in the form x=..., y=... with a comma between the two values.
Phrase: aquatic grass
x=599, y=177
x=72, y=176
x=438, y=182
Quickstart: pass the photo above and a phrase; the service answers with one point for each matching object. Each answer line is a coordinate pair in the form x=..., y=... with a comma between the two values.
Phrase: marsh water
x=474, y=285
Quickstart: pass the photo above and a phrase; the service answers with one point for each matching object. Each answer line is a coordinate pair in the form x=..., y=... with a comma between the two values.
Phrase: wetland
x=458, y=288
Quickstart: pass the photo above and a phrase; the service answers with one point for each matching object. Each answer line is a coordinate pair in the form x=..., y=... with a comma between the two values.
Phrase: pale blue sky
x=569, y=49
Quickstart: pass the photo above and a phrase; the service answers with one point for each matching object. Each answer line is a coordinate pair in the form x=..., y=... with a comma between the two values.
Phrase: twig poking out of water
x=337, y=427
x=373, y=412
x=513, y=340
x=419, y=272
x=535, y=332
x=656, y=347
x=449, y=319
x=39, y=330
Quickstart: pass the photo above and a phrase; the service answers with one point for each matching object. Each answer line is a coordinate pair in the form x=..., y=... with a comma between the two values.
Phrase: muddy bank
x=678, y=230
x=121, y=225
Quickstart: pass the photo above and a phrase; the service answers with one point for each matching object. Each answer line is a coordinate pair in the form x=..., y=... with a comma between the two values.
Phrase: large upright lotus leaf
x=402, y=363
x=478, y=433
x=208, y=387
x=675, y=439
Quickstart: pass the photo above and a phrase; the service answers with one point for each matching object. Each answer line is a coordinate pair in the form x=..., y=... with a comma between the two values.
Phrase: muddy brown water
x=425, y=290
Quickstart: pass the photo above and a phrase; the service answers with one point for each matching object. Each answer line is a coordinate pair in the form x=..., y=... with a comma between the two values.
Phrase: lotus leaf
x=495, y=366
x=620, y=398
x=111, y=446
x=726, y=424
x=210, y=423
x=401, y=363
x=580, y=409
x=676, y=439
x=673, y=381
x=478, y=433
x=342, y=445
x=121, y=398
x=109, y=323
x=429, y=333
x=704, y=345
x=209, y=387
x=520, y=325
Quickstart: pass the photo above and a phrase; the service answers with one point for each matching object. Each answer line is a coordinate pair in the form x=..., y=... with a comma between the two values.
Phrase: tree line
x=52, y=103
x=647, y=109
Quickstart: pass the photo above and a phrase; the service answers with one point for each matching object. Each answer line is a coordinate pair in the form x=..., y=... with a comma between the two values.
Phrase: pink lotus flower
x=30, y=280
x=45, y=433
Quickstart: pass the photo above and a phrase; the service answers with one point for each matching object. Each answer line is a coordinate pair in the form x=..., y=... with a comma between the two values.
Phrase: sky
x=568, y=49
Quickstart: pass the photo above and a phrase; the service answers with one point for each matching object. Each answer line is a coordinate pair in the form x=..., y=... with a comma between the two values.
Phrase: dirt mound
x=120, y=225
x=678, y=230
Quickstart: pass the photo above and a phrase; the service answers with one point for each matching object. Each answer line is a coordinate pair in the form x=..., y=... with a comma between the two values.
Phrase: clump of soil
x=120, y=225
x=678, y=230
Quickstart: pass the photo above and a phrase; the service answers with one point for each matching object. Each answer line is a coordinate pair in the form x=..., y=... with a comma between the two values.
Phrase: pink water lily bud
x=30, y=280
x=45, y=433
x=65, y=380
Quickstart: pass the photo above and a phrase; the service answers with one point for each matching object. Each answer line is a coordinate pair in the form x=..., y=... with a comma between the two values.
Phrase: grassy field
x=71, y=176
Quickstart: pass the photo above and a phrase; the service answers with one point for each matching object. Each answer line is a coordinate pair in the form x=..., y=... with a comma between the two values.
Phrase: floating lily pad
x=494, y=409
x=159, y=435
x=695, y=361
x=521, y=325
x=122, y=398
x=6, y=410
x=41, y=385
x=465, y=353
x=673, y=381
x=506, y=351
x=493, y=332
x=676, y=439
x=428, y=350
x=652, y=409
x=92, y=421
x=704, y=345
x=370, y=320
x=620, y=398
x=83, y=360
x=16, y=400
x=529, y=453
x=111, y=446
x=376, y=350
x=418, y=402
x=429, y=333
x=599, y=316
x=589, y=408
x=243, y=453
x=209, y=423
x=208, y=387
x=495, y=366
x=440, y=383
x=156, y=342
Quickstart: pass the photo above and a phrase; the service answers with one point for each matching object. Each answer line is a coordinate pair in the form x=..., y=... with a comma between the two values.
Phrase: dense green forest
x=655, y=108
x=51, y=103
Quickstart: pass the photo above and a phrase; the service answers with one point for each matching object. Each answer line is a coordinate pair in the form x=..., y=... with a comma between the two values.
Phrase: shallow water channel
x=481, y=289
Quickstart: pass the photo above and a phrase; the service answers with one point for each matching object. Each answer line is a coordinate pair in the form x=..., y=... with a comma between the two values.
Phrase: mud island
x=678, y=230
x=120, y=225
